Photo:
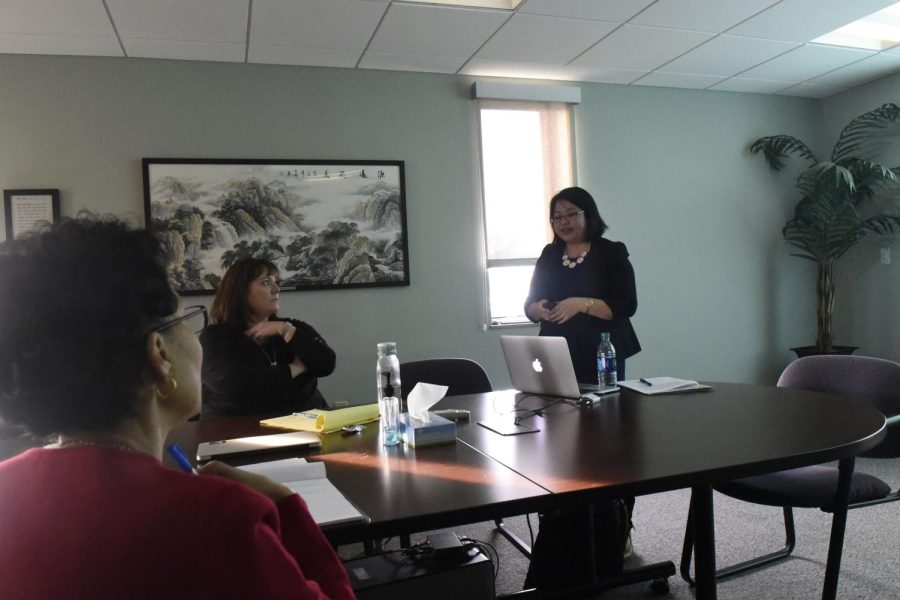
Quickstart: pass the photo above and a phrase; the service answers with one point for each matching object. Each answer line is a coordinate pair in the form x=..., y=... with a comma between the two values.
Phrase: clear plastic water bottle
x=606, y=362
x=387, y=373
x=389, y=408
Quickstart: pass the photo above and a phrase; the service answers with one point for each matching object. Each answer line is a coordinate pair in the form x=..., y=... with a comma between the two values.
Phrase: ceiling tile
x=805, y=20
x=178, y=50
x=435, y=31
x=726, y=55
x=547, y=40
x=411, y=62
x=85, y=18
x=614, y=11
x=64, y=45
x=809, y=90
x=223, y=21
x=315, y=24
x=879, y=65
x=311, y=57
x=602, y=74
x=752, y=86
x=678, y=80
x=894, y=50
x=697, y=16
x=638, y=47
x=505, y=68
x=806, y=62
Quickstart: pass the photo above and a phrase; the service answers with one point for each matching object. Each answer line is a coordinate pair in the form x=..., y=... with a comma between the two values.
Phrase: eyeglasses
x=567, y=217
x=195, y=317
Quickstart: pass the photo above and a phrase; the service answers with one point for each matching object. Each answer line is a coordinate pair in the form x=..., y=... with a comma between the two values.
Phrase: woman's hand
x=566, y=309
x=297, y=367
x=265, y=486
x=265, y=329
x=537, y=311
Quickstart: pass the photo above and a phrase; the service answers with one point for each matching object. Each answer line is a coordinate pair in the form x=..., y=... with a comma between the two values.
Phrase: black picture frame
x=326, y=224
x=23, y=210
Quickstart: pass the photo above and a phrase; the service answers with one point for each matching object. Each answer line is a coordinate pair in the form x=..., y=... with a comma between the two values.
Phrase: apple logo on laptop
x=536, y=365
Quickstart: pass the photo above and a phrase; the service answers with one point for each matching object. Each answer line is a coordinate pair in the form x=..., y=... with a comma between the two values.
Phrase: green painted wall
x=866, y=307
x=719, y=297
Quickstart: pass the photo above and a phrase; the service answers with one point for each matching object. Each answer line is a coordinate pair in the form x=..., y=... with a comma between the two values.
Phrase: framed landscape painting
x=325, y=224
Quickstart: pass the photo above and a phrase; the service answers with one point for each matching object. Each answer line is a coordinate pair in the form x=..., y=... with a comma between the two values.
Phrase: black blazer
x=607, y=274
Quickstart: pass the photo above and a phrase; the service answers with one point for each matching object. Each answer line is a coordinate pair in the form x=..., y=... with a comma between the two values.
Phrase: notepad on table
x=325, y=421
x=326, y=503
x=663, y=385
x=257, y=443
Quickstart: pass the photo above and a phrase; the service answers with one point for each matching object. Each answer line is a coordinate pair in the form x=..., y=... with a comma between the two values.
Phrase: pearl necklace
x=567, y=262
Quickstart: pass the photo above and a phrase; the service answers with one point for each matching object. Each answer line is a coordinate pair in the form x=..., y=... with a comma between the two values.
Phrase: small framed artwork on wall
x=24, y=210
x=326, y=224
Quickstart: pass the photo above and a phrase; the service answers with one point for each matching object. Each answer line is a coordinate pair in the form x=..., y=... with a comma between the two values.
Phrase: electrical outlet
x=885, y=256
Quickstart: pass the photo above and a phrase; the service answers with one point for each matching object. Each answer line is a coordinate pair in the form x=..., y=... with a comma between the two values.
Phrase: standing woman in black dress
x=255, y=362
x=583, y=285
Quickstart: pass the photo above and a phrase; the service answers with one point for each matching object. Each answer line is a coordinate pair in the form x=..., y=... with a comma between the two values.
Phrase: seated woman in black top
x=253, y=361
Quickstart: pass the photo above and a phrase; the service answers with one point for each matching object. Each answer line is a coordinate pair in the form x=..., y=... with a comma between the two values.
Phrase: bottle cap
x=387, y=348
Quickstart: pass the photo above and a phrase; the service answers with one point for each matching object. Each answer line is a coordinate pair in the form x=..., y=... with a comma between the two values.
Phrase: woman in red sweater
x=94, y=351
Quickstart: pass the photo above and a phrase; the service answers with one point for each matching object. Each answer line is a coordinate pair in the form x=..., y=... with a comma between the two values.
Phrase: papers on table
x=325, y=421
x=326, y=503
x=663, y=385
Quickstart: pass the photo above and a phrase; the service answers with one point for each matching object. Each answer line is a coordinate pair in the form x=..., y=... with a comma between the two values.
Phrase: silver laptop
x=542, y=365
x=257, y=443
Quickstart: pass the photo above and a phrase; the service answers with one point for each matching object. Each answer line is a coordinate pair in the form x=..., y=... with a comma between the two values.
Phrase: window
x=526, y=157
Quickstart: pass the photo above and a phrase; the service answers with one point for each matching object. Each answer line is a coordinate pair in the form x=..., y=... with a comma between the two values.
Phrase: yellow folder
x=325, y=421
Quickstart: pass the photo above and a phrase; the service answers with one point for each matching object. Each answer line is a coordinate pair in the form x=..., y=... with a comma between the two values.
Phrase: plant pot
x=802, y=351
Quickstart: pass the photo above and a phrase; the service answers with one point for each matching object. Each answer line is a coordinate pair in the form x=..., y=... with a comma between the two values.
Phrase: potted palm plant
x=835, y=211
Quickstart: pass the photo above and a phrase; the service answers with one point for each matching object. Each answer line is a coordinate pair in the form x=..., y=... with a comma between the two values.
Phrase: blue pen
x=178, y=455
x=645, y=382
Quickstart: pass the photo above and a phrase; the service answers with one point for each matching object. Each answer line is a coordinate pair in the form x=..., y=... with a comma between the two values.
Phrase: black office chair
x=460, y=375
x=872, y=379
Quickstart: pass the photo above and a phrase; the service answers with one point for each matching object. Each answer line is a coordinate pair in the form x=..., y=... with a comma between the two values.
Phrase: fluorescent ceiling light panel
x=878, y=31
x=504, y=4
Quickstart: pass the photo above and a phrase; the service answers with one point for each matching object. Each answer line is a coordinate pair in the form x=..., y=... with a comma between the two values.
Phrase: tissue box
x=418, y=433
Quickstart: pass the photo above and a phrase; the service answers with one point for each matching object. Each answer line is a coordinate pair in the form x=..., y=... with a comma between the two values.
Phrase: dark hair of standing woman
x=230, y=304
x=580, y=197
x=77, y=303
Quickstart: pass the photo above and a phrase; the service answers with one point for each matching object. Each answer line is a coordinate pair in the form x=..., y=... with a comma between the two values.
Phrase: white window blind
x=526, y=155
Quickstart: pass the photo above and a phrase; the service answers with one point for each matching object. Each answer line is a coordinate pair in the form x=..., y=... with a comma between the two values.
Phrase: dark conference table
x=628, y=444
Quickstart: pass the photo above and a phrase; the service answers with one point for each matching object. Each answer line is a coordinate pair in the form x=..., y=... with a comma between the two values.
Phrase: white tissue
x=422, y=397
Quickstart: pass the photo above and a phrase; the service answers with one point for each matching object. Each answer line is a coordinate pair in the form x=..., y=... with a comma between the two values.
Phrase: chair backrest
x=461, y=375
x=874, y=380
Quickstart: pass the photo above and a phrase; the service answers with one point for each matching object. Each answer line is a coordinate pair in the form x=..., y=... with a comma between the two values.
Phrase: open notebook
x=326, y=503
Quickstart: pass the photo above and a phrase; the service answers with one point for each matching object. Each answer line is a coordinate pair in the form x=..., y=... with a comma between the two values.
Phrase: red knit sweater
x=98, y=522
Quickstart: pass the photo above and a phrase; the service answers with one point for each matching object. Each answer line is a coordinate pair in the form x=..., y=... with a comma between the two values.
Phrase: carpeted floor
x=870, y=568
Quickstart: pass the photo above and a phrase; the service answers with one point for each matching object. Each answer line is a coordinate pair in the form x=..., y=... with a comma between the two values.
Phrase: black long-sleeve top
x=240, y=379
x=606, y=274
